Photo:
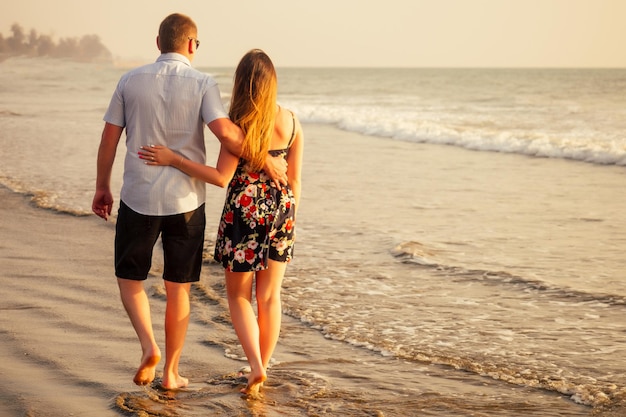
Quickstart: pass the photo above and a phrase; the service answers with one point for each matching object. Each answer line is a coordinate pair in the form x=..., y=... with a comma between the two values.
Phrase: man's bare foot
x=174, y=382
x=255, y=382
x=147, y=370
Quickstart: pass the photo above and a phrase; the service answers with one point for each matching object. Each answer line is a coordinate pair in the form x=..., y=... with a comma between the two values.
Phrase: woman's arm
x=294, y=163
x=219, y=175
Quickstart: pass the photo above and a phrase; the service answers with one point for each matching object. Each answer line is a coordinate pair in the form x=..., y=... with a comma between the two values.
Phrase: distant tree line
x=87, y=48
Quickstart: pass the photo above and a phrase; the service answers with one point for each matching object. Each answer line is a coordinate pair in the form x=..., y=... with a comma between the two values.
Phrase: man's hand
x=276, y=168
x=102, y=203
x=103, y=199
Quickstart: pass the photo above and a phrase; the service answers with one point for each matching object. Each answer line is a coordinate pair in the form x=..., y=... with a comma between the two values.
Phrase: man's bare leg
x=176, y=322
x=135, y=301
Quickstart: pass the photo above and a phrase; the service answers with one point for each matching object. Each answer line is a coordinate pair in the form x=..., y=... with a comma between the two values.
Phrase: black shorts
x=182, y=236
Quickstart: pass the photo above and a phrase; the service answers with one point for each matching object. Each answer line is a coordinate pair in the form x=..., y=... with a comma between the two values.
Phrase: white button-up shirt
x=164, y=103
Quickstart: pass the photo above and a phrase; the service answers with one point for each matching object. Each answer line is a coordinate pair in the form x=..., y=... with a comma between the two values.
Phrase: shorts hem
x=131, y=277
x=182, y=281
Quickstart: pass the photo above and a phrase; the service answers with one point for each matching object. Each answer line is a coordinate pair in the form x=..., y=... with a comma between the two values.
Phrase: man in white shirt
x=164, y=103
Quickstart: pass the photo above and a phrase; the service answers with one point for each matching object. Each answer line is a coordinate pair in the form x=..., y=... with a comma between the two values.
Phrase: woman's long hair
x=253, y=105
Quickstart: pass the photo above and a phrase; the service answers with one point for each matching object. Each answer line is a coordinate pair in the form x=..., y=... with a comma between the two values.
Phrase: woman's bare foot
x=147, y=370
x=173, y=382
x=255, y=382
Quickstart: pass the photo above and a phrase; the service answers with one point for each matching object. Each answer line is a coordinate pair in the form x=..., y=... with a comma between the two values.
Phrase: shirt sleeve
x=212, y=107
x=115, y=111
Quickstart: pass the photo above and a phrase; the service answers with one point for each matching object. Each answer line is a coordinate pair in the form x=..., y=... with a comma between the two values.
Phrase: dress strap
x=293, y=129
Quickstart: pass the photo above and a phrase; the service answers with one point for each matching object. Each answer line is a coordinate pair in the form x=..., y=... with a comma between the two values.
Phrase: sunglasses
x=197, y=42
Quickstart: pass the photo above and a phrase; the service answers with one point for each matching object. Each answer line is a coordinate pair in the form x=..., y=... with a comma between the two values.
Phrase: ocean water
x=516, y=278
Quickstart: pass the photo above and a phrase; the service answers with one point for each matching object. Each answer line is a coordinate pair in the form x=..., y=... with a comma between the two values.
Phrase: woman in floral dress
x=257, y=229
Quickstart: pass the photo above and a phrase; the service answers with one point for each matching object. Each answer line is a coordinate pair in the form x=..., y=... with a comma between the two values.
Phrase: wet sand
x=67, y=347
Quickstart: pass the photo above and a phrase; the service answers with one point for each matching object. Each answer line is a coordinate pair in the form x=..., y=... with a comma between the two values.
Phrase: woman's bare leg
x=239, y=293
x=268, y=288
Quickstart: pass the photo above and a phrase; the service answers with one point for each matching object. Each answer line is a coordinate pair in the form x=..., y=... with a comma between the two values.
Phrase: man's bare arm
x=231, y=137
x=229, y=134
x=103, y=199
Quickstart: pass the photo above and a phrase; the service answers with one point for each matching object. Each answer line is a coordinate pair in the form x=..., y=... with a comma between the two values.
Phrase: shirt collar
x=174, y=56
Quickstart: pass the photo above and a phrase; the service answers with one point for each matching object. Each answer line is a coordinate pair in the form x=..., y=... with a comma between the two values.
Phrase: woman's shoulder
x=285, y=114
x=284, y=126
x=289, y=119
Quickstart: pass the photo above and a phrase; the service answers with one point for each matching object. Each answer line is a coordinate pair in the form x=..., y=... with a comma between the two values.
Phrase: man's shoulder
x=171, y=68
x=142, y=69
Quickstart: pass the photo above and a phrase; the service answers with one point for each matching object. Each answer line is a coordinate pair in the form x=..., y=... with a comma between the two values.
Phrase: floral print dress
x=257, y=222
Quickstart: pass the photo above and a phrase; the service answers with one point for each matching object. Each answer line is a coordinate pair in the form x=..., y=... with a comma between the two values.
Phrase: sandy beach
x=67, y=346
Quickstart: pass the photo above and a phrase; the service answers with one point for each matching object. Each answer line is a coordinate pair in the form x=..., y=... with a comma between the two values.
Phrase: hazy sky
x=390, y=33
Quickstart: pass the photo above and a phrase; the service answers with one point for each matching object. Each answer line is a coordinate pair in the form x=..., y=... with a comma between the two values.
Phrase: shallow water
x=315, y=376
x=509, y=282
